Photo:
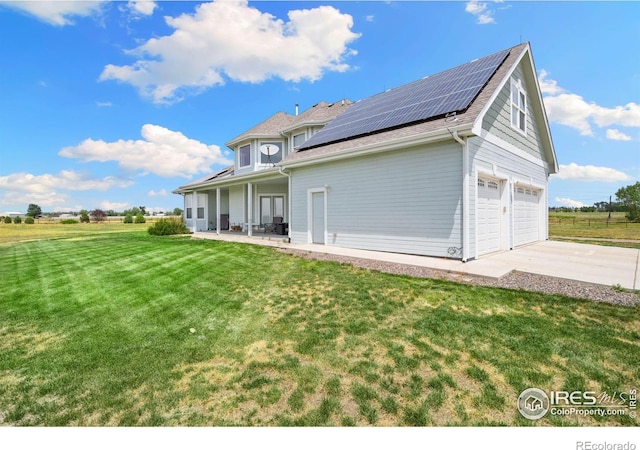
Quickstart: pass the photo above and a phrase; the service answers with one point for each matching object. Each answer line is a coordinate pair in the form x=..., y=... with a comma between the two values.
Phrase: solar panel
x=450, y=91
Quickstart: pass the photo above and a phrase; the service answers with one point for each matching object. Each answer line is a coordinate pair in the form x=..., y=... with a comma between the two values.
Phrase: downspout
x=288, y=175
x=465, y=195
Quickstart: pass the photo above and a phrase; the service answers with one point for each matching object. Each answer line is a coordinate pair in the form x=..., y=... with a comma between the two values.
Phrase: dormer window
x=245, y=156
x=298, y=140
x=518, y=106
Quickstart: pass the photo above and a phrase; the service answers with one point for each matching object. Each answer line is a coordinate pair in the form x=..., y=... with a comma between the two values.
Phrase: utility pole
x=610, y=208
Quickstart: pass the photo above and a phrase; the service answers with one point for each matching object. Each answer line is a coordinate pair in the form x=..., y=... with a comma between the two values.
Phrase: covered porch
x=258, y=206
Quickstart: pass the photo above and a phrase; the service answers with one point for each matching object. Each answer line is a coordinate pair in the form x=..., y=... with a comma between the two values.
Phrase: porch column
x=250, y=208
x=218, y=210
x=194, y=211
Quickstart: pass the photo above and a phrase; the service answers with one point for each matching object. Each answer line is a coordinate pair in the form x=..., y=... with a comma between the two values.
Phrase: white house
x=455, y=164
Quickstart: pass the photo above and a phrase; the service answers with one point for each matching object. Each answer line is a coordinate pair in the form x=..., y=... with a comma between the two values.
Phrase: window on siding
x=518, y=106
x=493, y=185
x=480, y=182
x=245, y=156
x=200, y=213
x=189, y=214
x=298, y=140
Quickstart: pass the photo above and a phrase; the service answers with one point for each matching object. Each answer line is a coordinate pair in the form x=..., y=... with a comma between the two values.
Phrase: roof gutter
x=465, y=194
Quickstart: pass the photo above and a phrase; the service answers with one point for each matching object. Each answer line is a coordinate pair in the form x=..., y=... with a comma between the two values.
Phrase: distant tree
x=629, y=196
x=140, y=218
x=98, y=215
x=143, y=210
x=17, y=219
x=29, y=220
x=84, y=216
x=128, y=218
x=7, y=219
x=34, y=210
x=133, y=211
x=177, y=212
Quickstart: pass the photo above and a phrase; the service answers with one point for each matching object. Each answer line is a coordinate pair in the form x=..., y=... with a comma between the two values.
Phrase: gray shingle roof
x=270, y=127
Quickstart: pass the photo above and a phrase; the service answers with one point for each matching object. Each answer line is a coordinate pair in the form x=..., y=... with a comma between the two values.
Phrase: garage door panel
x=526, y=215
x=488, y=216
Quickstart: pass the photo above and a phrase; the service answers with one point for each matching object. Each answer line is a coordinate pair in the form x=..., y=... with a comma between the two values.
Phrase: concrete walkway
x=609, y=266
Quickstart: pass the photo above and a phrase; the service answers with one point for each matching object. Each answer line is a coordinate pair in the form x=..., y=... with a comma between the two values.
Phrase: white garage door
x=526, y=215
x=488, y=215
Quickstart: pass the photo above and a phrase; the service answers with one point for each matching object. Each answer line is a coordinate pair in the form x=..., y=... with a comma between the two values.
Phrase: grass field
x=122, y=328
x=594, y=225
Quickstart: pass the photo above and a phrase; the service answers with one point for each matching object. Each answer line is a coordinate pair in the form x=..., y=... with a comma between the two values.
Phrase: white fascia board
x=250, y=137
x=305, y=125
x=262, y=175
x=377, y=147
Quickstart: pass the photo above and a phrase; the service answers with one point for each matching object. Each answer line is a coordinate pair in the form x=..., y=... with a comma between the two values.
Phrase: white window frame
x=240, y=155
x=293, y=140
x=518, y=109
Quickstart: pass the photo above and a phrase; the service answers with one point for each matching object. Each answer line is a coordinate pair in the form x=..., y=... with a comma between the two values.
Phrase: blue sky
x=115, y=104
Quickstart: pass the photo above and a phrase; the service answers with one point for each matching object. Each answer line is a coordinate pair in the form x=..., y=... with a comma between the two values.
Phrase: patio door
x=271, y=206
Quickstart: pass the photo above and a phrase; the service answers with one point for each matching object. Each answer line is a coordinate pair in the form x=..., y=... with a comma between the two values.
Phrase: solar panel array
x=428, y=98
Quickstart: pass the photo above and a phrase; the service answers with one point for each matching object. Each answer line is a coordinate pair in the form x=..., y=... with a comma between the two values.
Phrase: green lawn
x=129, y=329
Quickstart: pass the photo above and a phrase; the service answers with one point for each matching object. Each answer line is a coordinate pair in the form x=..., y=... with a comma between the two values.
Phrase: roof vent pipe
x=296, y=109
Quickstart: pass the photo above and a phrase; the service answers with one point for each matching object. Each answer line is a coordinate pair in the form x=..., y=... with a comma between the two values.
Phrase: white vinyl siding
x=405, y=201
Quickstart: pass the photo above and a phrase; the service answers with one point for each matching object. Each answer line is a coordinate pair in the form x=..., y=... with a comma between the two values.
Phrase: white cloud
x=160, y=193
x=142, y=7
x=617, y=135
x=574, y=111
x=113, y=206
x=163, y=152
x=479, y=9
x=56, y=12
x=547, y=86
x=104, y=104
x=590, y=173
x=44, y=189
x=230, y=38
x=568, y=202
x=370, y=18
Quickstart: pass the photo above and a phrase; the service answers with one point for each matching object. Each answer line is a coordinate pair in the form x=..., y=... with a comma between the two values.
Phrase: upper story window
x=245, y=156
x=270, y=152
x=518, y=106
x=298, y=140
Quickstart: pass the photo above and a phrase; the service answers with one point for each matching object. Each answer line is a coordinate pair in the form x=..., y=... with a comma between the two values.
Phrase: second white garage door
x=488, y=215
x=526, y=215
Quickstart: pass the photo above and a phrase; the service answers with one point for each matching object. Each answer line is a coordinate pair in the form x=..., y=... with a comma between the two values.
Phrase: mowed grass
x=11, y=233
x=128, y=329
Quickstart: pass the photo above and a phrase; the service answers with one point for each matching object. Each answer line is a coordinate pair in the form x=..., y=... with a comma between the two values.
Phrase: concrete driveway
x=583, y=262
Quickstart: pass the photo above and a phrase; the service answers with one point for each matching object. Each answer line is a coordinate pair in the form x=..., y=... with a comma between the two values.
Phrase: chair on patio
x=271, y=227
